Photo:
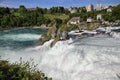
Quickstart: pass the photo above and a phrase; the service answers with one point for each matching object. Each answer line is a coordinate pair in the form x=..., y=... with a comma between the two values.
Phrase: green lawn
x=59, y=16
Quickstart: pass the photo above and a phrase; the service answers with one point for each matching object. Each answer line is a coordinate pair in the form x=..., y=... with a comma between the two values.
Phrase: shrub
x=20, y=71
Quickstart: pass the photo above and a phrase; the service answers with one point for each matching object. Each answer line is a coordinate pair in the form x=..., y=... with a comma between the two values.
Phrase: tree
x=39, y=10
x=57, y=10
x=116, y=12
x=5, y=21
x=22, y=10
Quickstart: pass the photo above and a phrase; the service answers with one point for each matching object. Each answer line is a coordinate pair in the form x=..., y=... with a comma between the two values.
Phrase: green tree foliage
x=20, y=71
x=112, y=16
x=57, y=10
x=4, y=11
x=22, y=17
x=41, y=10
x=22, y=10
x=116, y=12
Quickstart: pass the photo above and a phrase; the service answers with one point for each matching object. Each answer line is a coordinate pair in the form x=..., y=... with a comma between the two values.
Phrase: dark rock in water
x=87, y=34
x=100, y=31
x=116, y=30
x=72, y=36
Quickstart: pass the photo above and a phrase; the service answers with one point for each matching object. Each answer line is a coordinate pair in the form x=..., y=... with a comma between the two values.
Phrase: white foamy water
x=92, y=58
x=115, y=35
x=20, y=37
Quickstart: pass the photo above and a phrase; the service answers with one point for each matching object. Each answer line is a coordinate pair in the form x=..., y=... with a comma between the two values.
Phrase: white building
x=73, y=11
x=75, y=20
x=99, y=7
x=89, y=7
x=109, y=10
x=99, y=17
x=105, y=7
x=90, y=20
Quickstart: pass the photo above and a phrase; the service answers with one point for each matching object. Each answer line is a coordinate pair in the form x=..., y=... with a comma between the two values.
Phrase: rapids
x=91, y=58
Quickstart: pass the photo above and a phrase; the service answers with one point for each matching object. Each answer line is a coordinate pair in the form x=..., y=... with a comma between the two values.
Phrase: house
x=72, y=10
x=90, y=20
x=69, y=9
x=109, y=10
x=105, y=7
x=99, y=17
x=75, y=20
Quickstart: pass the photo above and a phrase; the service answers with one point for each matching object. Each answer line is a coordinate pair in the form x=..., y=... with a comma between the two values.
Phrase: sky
x=50, y=3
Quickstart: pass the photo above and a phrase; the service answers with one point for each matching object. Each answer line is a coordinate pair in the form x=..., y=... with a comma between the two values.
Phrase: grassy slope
x=59, y=16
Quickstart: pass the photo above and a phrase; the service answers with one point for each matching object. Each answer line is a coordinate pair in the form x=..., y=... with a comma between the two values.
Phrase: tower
x=89, y=7
x=99, y=7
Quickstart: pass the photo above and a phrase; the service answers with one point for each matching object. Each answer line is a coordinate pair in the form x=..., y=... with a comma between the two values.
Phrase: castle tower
x=89, y=7
x=99, y=7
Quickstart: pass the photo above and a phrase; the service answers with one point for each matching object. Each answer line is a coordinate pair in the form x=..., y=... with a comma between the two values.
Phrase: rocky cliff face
x=60, y=31
x=56, y=33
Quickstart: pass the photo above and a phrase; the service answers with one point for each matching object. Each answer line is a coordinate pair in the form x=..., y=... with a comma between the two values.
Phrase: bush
x=20, y=71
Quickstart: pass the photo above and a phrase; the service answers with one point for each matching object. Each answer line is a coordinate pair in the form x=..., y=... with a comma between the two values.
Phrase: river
x=91, y=58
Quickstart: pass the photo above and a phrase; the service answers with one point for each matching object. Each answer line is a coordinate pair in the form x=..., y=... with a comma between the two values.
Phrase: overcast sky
x=50, y=3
